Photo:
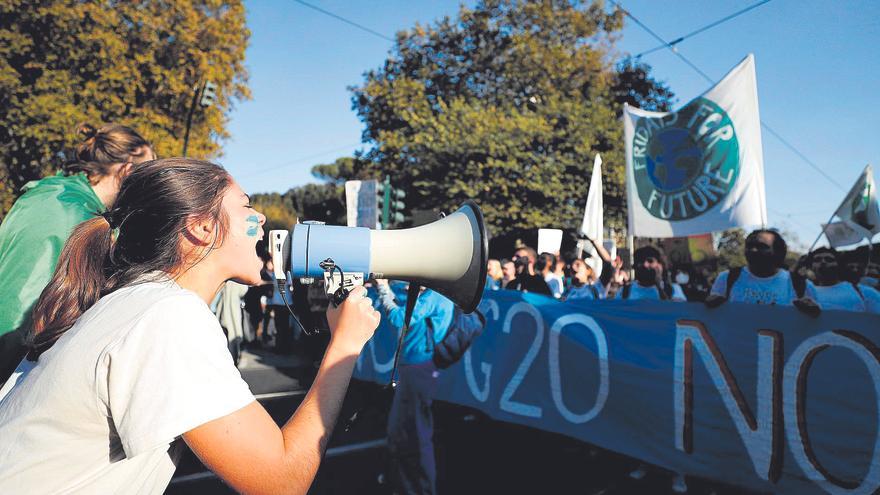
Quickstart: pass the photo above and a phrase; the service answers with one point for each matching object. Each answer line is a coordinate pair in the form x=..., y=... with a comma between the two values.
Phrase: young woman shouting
x=126, y=361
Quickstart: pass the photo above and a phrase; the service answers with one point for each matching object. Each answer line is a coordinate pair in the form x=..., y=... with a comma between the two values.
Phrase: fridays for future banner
x=700, y=169
x=755, y=396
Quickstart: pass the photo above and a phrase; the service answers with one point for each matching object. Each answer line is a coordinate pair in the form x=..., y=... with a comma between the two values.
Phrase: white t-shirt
x=638, y=291
x=102, y=410
x=844, y=296
x=748, y=288
x=838, y=296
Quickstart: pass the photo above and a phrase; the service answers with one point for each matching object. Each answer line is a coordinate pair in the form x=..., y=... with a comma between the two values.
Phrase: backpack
x=463, y=330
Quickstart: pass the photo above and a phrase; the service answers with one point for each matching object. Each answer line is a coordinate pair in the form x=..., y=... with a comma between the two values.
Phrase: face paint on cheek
x=253, y=226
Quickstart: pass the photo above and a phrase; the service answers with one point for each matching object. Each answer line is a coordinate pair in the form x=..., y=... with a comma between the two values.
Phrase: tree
x=320, y=202
x=731, y=249
x=341, y=170
x=633, y=84
x=136, y=63
x=507, y=104
x=279, y=213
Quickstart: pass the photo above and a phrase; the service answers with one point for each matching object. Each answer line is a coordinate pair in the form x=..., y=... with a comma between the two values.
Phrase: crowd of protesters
x=823, y=279
x=116, y=199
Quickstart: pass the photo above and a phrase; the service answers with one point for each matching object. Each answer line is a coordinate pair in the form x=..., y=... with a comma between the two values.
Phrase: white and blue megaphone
x=448, y=256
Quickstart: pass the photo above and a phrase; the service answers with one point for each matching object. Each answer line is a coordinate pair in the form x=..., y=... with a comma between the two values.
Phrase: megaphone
x=449, y=255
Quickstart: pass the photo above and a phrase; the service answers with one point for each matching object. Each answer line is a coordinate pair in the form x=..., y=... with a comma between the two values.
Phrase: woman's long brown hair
x=139, y=235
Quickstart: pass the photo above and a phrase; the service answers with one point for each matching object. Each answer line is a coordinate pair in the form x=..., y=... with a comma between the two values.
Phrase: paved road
x=474, y=453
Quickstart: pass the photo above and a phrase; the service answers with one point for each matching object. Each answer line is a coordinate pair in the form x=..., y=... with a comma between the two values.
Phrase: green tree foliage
x=731, y=249
x=321, y=202
x=506, y=104
x=279, y=213
x=135, y=63
x=338, y=172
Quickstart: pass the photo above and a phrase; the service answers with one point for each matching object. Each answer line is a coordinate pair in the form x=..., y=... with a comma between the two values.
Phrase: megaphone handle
x=339, y=296
x=412, y=295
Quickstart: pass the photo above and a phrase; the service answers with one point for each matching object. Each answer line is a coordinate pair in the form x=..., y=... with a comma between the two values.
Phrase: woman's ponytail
x=138, y=238
x=76, y=285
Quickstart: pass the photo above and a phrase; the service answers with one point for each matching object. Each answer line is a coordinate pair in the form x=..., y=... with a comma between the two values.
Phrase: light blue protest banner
x=761, y=397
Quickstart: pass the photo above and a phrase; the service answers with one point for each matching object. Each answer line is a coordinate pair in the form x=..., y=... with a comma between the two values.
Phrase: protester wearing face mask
x=694, y=285
x=763, y=280
x=832, y=292
x=652, y=280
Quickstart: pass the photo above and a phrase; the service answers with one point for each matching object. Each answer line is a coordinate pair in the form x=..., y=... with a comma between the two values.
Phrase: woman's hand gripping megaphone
x=353, y=321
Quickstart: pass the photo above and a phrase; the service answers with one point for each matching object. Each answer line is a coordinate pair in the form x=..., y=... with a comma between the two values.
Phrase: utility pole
x=208, y=93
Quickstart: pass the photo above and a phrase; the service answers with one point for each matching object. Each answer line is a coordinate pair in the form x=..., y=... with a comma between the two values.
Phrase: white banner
x=859, y=208
x=700, y=169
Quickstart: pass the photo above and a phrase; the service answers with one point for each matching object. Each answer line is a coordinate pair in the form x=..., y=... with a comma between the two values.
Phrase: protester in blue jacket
x=410, y=421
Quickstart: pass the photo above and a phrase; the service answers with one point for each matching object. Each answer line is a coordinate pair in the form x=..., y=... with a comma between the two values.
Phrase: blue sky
x=817, y=62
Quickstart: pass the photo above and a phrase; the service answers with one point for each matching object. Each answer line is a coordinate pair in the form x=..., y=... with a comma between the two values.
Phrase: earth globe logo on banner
x=686, y=162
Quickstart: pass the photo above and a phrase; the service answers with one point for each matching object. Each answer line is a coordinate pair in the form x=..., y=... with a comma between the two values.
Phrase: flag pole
x=630, y=240
x=825, y=227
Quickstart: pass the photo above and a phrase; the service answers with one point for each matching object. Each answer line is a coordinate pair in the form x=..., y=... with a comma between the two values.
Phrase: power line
x=789, y=217
x=343, y=19
x=803, y=157
x=299, y=160
x=711, y=81
x=704, y=28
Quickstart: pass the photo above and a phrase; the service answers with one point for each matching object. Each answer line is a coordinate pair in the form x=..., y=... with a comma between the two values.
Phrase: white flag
x=842, y=234
x=700, y=169
x=859, y=208
x=592, y=225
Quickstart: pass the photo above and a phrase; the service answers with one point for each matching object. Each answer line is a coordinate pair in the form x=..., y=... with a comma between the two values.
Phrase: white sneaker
x=639, y=473
x=678, y=484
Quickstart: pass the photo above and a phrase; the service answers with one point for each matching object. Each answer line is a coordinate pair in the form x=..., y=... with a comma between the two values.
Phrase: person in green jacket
x=39, y=223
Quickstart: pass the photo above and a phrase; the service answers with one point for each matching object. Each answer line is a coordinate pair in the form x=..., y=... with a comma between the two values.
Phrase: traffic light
x=392, y=203
x=209, y=94
x=397, y=206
